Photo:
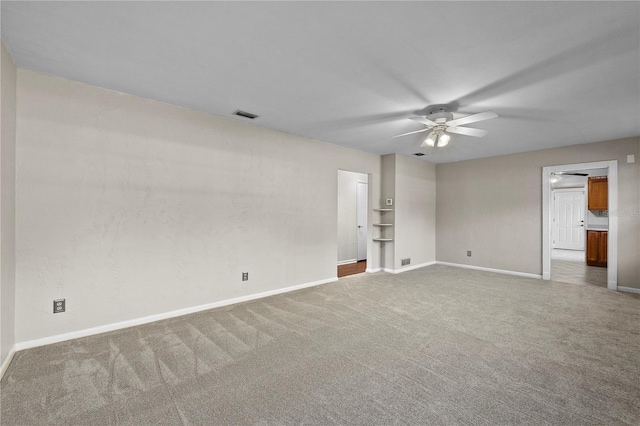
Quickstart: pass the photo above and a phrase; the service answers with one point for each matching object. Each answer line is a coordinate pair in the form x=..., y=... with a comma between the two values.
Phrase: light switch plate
x=631, y=158
x=389, y=201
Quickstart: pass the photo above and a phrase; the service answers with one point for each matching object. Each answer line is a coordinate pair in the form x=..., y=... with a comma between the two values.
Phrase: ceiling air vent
x=245, y=114
x=418, y=154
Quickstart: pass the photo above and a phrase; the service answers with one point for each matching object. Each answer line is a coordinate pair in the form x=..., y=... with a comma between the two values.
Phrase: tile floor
x=569, y=266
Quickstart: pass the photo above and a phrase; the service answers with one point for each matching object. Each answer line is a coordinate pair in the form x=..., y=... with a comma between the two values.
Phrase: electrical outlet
x=59, y=305
x=245, y=276
x=406, y=261
x=468, y=253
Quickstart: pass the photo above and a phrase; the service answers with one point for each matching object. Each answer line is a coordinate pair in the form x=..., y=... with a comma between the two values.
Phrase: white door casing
x=568, y=219
x=361, y=213
x=547, y=214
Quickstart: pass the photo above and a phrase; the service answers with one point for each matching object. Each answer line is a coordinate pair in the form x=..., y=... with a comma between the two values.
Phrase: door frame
x=557, y=191
x=366, y=214
x=547, y=205
x=373, y=252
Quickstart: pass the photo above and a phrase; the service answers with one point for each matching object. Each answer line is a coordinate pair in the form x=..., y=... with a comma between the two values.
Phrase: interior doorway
x=353, y=201
x=579, y=234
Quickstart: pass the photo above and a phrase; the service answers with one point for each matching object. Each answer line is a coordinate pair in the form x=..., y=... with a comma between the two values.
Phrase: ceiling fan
x=570, y=173
x=441, y=122
x=555, y=176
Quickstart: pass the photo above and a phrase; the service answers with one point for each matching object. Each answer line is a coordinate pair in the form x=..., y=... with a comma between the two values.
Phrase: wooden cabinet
x=602, y=248
x=598, y=193
x=597, y=248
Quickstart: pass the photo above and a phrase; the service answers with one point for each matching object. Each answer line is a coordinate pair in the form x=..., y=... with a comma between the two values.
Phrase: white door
x=568, y=221
x=361, y=217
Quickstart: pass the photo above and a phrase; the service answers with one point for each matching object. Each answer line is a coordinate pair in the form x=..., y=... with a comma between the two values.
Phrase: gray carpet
x=438, y=345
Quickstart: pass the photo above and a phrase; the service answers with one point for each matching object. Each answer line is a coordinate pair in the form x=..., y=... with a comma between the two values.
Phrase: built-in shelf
x=384, y=235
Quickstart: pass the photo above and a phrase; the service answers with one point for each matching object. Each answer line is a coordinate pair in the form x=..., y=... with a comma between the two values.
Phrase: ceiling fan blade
x=410, y=133
x=472, y=118
x=424, y=120
x=467, y=131
x=572, y=174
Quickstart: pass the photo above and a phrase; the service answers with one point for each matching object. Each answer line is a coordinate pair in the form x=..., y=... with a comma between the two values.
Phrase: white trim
x=547, y=206
x=152, y=318
x=629, y=289
x=7, y=361
x=372, y=270
x=499, y=271
x=347, y=262
x=408, y=268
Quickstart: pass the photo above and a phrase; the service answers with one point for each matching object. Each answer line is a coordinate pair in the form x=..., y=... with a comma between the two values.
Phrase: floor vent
x=406, y=261
x=245, y=114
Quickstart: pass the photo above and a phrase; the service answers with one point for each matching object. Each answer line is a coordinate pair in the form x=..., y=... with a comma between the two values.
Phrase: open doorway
x=353, y=189
x=575, y=221
x=580, y=236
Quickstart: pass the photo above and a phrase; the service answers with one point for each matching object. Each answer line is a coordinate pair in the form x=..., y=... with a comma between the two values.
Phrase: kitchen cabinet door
x=598, y=193
x=593, y=243
x=597, y=248
x=602, y=248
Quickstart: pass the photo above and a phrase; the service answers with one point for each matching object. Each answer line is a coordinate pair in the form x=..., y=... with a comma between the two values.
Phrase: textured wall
x=493, y=206
x=347, y=219
x=415, y=211
x=129, y=207
x=412, y=185
x=7, y=202
x=388, y=163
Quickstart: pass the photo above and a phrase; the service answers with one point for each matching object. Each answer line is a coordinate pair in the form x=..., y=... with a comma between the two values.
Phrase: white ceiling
x=350, y=73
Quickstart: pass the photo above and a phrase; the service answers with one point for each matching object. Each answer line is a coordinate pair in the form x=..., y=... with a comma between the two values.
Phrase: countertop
x=597, y=227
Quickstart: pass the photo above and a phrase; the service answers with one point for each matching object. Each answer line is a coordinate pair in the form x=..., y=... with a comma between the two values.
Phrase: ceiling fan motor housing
x=440, y=116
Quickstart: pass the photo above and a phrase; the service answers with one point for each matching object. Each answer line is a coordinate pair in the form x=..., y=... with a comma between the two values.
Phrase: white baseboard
x=7, y=361
x=371, y=270
x=408, y=268
x=629, y=289
x=347, y=262
x=152, y=318
x=499, y=271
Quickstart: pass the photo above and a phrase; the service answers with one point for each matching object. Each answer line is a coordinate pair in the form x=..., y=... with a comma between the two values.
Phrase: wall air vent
x=245, y=114
x=418, y=154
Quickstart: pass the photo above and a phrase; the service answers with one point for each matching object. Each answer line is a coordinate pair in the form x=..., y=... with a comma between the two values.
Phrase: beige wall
x=129, y=207
x=493, y=206
x=388, y=165
x=7, y=202
x=411, y=183
x=415, y=211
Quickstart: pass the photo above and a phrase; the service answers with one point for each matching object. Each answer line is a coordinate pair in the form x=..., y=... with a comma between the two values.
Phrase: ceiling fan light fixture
x=430, y=140
x=443, y=140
